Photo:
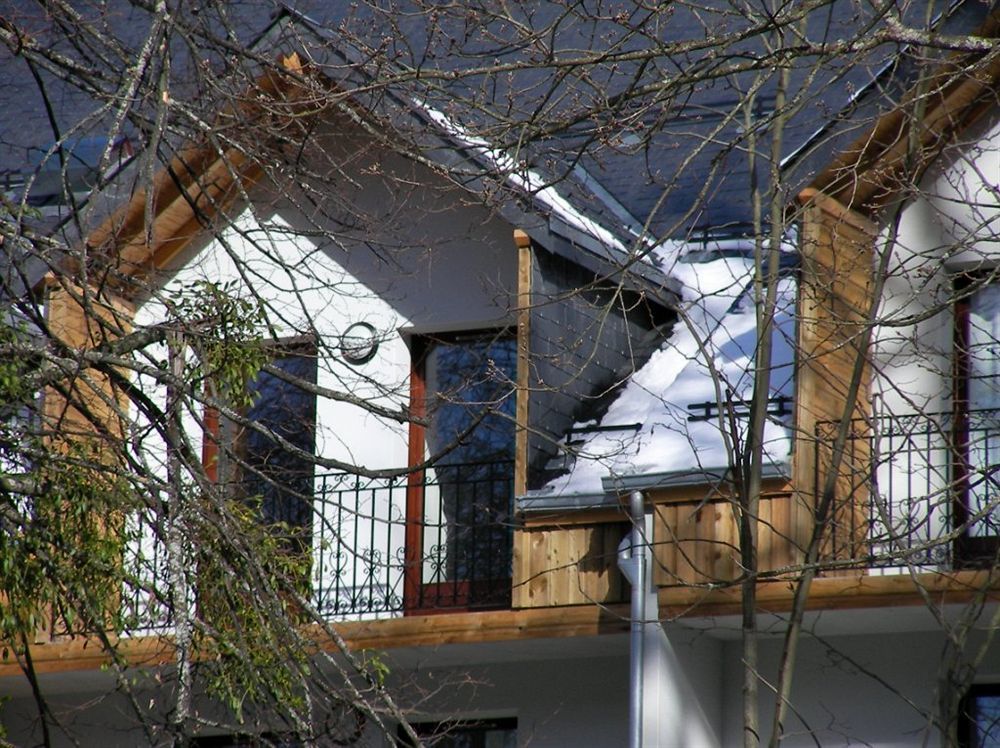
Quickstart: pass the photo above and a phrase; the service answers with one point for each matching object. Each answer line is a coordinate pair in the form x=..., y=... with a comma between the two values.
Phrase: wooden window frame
x=969, y=550
x=420, y=598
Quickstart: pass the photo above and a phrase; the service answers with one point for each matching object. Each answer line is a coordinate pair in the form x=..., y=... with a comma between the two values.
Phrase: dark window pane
x=281, y=478
x=983, y=377
x=470, y=393
x=470, y=387
x=494, y=733
x=981, y=717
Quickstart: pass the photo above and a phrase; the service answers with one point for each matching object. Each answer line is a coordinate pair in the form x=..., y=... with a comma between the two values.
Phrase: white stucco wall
x=873, y=689
x=400, y=249
x=949, y=226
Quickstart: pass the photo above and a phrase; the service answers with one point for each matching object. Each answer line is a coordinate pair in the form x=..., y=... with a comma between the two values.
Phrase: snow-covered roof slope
x=652, y=426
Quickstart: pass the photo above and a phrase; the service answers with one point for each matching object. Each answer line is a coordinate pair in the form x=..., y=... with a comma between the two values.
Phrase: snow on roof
x=648, y=428
x=527, y=180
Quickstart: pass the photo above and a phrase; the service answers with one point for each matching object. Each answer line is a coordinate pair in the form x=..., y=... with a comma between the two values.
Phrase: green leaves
x=61, y=550
x=224, y=329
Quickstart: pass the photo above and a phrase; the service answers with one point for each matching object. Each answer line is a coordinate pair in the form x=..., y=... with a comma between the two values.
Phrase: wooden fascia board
x=850, y=590
x=700, y=493
x=713, y=492
x=84, y=653
x=854, y=590
x=195, y=188
x=179, y=221
x=871, y=172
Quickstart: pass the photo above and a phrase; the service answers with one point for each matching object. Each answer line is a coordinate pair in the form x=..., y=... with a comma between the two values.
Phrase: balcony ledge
x=850, y=590
x=86, y=653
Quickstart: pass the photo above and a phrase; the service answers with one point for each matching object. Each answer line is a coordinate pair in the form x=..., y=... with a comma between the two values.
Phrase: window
x=979, y=719
x=492, y=733
x=977, y=420
x=275, y=472
x=463, y=385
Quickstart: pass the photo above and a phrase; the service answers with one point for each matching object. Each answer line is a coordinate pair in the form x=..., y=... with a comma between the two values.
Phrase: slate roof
x=690, y=175
x=676, y=180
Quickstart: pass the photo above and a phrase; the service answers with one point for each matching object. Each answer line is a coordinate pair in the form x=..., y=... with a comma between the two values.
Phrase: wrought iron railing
x=912, y=490
x=435, y=539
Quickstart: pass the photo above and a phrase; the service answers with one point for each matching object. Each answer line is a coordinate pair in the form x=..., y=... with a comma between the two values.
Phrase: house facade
x=514, y=457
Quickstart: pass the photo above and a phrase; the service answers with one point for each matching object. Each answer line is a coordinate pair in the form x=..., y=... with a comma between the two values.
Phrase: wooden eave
x=195, y=188
x=849, y=591
x=871, y=173
x=83, y=653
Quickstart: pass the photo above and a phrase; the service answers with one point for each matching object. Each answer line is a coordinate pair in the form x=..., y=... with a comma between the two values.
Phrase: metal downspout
x=632, y=562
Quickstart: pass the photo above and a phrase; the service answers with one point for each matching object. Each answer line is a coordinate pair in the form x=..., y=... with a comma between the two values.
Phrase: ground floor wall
x=878, y=688
x=563, y=694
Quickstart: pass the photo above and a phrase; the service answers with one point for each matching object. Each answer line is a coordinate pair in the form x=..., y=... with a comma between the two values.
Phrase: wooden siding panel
x=569, y=565
x=87, y=403
x=87, y=412
x=835, y=293
x=697, y=542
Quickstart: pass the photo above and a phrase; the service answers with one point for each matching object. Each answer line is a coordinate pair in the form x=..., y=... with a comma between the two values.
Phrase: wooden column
x=85, y=418
x=521, y=550
x=835, y=298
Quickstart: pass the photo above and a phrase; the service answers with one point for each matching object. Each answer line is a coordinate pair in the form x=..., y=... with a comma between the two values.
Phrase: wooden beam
x=197, y=186
x=847, y=591
x=894, y=152
x=855, y=591
x=83, y=653
x=520, y=550
x=524, y=271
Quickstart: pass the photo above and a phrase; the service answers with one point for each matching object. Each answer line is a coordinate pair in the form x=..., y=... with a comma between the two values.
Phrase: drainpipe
x=632, y=560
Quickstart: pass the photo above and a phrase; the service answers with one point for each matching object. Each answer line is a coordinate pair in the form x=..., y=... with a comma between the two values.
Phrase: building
x=498, y=441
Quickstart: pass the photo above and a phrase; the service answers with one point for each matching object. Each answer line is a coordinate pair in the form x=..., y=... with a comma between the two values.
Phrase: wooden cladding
x=84, y=417
x=568, y=564
x=86, y=403
x=696, y=542
x=836, y=298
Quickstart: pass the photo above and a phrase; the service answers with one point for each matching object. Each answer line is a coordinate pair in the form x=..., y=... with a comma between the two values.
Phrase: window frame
x=223, y=454
x=441, y=729
x=970, y=551
x=419, y=597
x=968, y=734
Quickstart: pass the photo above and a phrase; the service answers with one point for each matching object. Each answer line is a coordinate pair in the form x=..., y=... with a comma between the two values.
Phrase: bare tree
x=235, y=207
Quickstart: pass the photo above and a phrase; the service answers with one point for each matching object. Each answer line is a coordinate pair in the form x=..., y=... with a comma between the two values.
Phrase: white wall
x=873, y=690
x=398, y=248
x=952, y=223
x=858, y=689
x=949, y=225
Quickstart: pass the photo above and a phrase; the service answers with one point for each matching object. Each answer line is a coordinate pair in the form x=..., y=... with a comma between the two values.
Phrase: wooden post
x=413, y=550
x=834, y=298
x=520, y=550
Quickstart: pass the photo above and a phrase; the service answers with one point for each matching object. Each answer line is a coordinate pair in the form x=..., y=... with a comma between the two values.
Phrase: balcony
x=915, y=492
x=432, y=541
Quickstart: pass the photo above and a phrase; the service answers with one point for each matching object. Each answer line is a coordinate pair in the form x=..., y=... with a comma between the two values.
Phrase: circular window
x=359, y=343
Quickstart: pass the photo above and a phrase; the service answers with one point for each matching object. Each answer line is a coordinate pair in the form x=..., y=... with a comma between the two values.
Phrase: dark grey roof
x=653, y=135
x=657, y=134
x=651, y=138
